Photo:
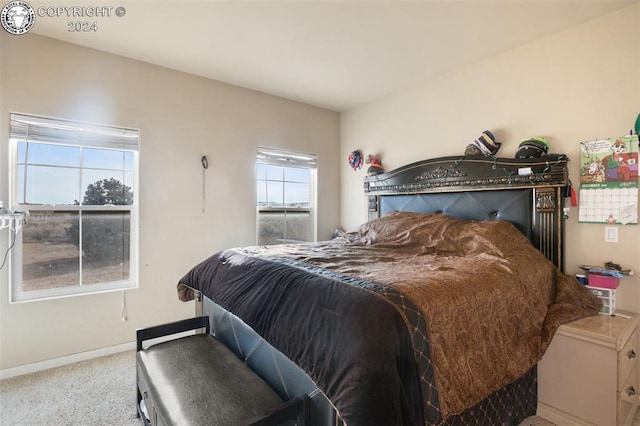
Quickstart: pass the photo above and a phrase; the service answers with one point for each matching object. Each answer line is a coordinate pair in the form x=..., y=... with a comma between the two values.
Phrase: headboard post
x=548, y=236
x=533, y=185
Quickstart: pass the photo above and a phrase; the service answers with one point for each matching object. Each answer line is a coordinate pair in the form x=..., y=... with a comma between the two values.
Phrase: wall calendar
x=609, y=181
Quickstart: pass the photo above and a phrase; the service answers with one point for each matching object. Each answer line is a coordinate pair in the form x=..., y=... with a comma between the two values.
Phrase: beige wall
x=181, y=117
x=577, y=85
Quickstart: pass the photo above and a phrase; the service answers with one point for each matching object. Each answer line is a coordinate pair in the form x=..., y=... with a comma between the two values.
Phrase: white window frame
x=289, y=158
x=70, y=133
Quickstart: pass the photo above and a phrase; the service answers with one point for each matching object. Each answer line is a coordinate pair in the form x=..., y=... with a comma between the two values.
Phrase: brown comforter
x=491, y=300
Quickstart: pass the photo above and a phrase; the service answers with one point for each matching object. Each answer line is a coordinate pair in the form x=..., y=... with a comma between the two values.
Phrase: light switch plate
x=611, y=234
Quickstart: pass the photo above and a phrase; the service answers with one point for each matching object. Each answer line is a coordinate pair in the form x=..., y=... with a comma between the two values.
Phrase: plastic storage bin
x=608, y=298
x=603, y=281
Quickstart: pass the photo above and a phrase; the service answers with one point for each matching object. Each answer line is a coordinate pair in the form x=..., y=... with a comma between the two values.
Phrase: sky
x=59, y=174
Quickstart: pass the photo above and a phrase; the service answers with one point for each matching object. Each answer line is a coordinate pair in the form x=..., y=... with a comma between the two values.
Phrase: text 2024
x=82, y=27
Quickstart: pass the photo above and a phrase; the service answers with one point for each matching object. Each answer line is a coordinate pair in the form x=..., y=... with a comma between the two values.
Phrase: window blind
x=39, y=129
x=286, y=158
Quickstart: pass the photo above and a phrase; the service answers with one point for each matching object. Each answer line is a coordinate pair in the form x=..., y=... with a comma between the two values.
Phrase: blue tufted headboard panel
x=515, y=206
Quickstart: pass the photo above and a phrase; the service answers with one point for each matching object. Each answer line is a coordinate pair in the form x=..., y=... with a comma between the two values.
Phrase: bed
x=433, y=312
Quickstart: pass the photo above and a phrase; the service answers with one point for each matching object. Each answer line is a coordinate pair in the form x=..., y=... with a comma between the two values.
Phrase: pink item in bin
x=603, y=281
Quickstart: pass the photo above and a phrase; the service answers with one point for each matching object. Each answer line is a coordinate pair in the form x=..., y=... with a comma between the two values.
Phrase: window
x=285, y=196
x=78, y=183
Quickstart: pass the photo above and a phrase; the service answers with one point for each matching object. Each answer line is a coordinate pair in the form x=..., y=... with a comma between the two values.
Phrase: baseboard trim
x=65, y=360
x=559, y=417
x=82, y=356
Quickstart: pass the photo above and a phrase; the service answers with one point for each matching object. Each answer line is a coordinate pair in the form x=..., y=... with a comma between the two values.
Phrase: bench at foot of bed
x=197, y=380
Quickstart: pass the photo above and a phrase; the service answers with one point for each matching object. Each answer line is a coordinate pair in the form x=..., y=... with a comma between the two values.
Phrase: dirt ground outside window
x=49, y=265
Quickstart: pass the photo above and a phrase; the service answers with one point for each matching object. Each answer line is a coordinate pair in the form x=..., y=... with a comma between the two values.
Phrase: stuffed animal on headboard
x=375, y=165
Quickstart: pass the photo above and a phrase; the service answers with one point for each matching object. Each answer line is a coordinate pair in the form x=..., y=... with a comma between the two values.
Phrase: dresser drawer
x=627, y=360
x=628, y=398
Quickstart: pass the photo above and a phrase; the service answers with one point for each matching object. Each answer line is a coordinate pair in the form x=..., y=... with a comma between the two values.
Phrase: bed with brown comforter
x=411, y=319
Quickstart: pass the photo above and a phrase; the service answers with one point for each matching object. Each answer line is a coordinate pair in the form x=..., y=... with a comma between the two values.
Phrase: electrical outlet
x=611, y=234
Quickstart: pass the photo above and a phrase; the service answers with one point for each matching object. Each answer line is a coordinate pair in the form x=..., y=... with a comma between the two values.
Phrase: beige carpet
x=99, y=392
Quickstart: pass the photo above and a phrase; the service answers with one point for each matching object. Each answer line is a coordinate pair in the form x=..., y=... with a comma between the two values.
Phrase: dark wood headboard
x=525, y=192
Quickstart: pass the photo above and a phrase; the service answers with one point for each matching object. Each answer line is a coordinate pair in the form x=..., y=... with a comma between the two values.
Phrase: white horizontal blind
x=286, y=158
x=46, y=130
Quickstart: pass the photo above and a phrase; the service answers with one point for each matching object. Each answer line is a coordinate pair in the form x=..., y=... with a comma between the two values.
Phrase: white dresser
x=589, y=375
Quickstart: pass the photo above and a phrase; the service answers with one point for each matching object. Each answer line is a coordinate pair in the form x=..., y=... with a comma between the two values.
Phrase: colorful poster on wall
x=609, y=181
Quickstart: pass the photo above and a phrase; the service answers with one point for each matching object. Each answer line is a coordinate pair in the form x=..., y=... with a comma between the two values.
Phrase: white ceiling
x=333, y=54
